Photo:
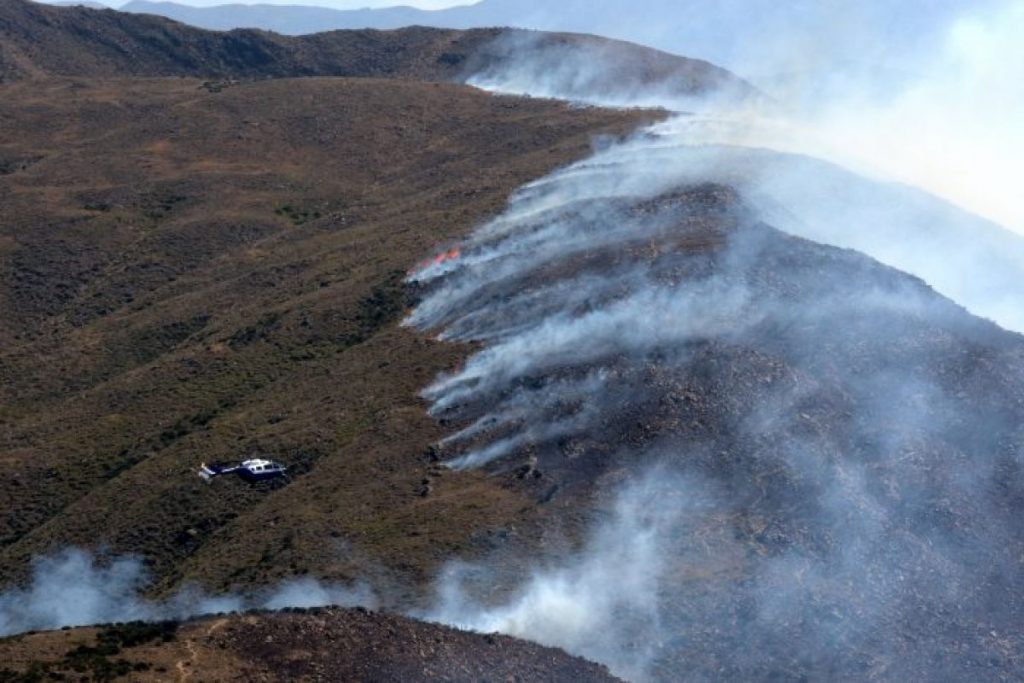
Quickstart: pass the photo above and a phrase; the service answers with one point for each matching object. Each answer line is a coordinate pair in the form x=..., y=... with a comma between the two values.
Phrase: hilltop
x=300, y=645
x=736, y=34
x=43, y=40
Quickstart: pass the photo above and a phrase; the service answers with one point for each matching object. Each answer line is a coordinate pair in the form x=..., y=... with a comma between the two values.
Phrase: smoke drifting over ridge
x=838, y=448
x=954, y=128
x=602, y=72
x=948, y=124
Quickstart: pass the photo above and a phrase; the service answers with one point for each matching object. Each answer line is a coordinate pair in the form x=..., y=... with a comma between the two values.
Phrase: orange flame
x=443, y=257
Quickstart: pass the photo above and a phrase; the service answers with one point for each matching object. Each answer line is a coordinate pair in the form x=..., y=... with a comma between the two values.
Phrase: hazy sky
x=336, y=4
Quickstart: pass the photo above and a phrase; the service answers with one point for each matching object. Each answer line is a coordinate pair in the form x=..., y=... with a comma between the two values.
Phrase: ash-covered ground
x=816, y=459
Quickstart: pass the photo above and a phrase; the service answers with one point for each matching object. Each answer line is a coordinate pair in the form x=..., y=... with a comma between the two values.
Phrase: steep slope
x=669, y=437
x=335, y=645
x=195, y=273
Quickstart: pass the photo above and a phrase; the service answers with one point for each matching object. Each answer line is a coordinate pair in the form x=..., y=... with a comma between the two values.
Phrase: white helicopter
x=254, y=470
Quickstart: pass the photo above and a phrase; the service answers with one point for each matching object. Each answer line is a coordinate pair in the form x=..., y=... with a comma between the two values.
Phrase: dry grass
x=161, y=309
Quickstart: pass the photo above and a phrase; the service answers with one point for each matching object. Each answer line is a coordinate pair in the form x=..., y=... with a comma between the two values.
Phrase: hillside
x=193, y=273
x=301, y=19
x=335, y=645
x=798, y=462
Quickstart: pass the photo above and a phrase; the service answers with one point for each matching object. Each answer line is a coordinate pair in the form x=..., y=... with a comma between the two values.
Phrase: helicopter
x=254, y=470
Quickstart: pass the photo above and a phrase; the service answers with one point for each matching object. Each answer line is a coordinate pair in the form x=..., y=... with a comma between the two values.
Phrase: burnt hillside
x=821, y=457
x=619, y=412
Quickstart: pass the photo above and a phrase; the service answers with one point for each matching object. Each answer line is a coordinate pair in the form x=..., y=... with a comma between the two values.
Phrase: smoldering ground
x=853, y=438
x=599, y=71
x=570, y=605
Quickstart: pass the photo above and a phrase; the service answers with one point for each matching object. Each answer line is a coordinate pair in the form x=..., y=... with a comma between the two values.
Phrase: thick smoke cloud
x=841, y=425
x=952, y=128
x=798, y=48
x=74, y=588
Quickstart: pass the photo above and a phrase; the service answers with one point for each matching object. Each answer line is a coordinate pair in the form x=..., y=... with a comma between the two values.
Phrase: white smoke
x=956, y=129
x=609, y=74
x=308, y=592
x=69, y=589
x=668, y=564
x=602, y=603
x=73, y=588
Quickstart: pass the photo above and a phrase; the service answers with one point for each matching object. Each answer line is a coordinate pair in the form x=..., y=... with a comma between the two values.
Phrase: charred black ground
x=854, y=439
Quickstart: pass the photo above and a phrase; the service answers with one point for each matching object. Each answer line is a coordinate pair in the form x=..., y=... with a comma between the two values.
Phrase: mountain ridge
x=81, y=41
x=721, y=33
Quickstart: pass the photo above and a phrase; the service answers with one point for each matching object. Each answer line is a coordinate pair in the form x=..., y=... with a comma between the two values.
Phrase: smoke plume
x=915, y=161
x=836, y=446
x=74, y=588
x=815, y=455
x=570, y=605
